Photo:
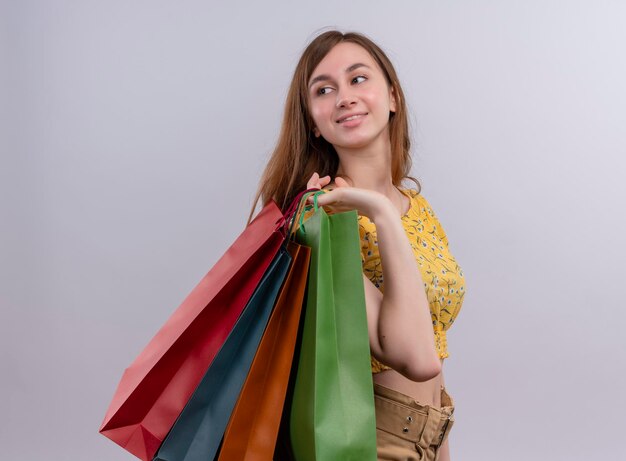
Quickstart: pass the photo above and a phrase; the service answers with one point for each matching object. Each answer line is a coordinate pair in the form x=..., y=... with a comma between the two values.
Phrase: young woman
x=345, y=129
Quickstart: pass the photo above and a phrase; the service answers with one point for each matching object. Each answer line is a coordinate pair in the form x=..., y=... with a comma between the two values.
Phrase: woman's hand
x=345, y=197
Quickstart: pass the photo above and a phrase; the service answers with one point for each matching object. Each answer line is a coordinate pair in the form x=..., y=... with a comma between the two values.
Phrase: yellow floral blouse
x=443, y=277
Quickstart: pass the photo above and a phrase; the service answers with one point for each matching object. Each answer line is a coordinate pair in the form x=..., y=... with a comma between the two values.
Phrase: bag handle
x=299, y=214
x=291, y=211
x=315, y=205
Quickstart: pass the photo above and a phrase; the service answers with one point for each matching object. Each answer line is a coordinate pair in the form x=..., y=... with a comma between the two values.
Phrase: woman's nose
x=345, y=98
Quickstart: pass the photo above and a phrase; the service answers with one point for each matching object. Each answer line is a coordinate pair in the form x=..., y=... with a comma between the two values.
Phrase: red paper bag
x=157, y=385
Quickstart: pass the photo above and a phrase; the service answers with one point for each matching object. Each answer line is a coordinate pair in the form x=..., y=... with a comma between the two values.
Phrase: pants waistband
x=405, y=417
x=447, y=402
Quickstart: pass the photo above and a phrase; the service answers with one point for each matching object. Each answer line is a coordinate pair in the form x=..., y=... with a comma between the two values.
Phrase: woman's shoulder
x=423, y=213
x=419, y=203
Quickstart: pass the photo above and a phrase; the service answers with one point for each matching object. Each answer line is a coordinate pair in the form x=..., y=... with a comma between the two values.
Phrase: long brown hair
x=298, y=153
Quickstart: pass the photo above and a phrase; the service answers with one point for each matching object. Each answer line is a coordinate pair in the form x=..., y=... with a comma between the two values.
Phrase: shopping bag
x=253, y=426
x=332, y=409
x=198, y=431
x=156, y=386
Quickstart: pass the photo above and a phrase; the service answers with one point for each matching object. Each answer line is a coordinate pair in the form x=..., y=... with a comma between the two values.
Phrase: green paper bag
x=332, y=409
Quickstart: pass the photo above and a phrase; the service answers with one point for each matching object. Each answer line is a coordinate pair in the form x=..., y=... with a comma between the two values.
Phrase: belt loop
x=430, y=429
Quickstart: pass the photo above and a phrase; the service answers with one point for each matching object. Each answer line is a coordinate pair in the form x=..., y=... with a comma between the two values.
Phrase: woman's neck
x=370, y=168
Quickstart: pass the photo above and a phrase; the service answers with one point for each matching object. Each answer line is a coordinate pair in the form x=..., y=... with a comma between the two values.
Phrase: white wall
x=133, y=136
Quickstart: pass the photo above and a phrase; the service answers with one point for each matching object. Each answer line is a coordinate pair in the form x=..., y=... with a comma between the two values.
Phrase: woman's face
x=349, y=98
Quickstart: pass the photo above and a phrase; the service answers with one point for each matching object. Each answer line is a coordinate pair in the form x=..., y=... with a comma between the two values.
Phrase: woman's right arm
x=399, y=323
x=401, y=331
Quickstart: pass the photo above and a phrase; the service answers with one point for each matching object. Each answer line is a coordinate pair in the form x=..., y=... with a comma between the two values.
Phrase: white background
x=133, y=137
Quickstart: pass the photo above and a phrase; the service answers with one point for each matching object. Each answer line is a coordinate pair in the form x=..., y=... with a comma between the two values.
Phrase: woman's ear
x=392, y=100
x=316, y=132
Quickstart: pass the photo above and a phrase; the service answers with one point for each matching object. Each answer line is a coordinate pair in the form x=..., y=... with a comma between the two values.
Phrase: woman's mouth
x=352, y=120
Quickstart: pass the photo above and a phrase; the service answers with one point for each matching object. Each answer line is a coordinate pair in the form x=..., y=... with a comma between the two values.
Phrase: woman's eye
x=321, y=90
x=359, y=76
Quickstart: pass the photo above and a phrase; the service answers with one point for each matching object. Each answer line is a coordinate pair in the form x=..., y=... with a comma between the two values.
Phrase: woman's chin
x=355, y=142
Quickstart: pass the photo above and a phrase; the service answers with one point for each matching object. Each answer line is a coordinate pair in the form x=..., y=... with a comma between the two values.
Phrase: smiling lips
x=350, y=117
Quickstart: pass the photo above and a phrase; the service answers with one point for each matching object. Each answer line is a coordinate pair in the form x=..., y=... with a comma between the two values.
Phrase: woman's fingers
x=316, y=182
x=322, y=199
x=313, y=181
x=333, y=199
x=341, y=182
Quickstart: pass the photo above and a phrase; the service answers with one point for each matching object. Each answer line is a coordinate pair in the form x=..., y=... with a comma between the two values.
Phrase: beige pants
x=408, y=430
